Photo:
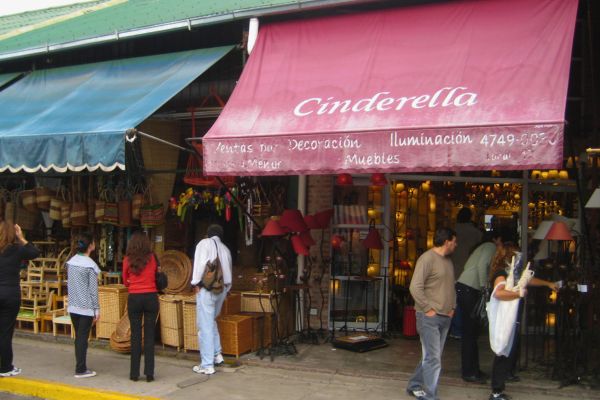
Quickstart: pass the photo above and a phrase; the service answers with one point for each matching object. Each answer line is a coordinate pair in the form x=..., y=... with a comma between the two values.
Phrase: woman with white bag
x=509, y=280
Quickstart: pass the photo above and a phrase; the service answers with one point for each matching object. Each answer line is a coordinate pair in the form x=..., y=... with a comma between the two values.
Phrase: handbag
x=162, y=281
x=502, y=316
x=479, y=311
x=212, y=280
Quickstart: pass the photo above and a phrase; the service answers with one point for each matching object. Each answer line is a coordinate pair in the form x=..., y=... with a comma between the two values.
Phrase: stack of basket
x=120, y=339
x=178, y=268
x=190, y=330
x=113, y=301
x=171, y=319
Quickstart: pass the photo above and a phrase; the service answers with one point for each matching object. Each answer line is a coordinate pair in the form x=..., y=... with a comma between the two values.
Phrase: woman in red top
x=139, y=275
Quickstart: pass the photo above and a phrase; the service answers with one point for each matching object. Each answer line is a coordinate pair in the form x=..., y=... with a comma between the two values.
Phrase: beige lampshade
x=542, y=230
x=594, y=201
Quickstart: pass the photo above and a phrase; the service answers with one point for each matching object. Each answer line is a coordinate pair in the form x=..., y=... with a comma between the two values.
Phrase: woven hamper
x=190, y=330
x=232, y=304
x=105, y=329
x=261, y=321
x=236, y=334
x=258, y=302
x=171, y=320
x=112, y=299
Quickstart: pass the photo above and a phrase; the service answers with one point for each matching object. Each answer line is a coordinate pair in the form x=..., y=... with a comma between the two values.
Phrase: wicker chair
x=62, y=317
x=32, y=309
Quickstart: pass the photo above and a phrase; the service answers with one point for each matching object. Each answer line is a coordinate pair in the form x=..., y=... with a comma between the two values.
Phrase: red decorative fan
x=193, y=174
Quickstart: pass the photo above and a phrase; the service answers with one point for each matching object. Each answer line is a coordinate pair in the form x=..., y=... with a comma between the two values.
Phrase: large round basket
x=178, y=268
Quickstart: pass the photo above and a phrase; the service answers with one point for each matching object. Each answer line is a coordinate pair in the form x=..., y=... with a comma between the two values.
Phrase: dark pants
x=503, y=367
x=143, y=311
x=467, y=298
x=82, y=325
x=10, y=301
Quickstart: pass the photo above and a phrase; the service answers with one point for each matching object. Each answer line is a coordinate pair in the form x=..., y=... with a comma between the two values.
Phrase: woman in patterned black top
x=12, y=255
x=84, y=308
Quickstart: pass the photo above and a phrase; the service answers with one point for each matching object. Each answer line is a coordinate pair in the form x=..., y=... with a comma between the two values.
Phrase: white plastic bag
x=502, y=316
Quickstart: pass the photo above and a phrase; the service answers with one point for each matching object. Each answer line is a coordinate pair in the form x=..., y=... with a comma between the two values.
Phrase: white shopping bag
x=502, y=316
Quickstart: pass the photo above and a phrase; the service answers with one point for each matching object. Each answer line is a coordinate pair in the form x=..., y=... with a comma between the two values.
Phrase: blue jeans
x=208, y=307
x=432, y=332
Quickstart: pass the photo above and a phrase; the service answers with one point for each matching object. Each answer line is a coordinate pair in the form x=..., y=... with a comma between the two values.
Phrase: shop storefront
x=397, y=91
x=393, y=119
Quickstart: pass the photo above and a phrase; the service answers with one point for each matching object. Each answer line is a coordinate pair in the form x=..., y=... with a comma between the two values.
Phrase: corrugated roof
x=26, y=19
x=130, y=18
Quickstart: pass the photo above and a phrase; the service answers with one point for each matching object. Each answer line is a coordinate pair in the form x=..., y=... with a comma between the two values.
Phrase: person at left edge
x=139, y=275
x=84, y=308
x=14, y=249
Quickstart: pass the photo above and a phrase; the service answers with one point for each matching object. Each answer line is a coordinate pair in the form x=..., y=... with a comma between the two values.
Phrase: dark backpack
x=212, y=280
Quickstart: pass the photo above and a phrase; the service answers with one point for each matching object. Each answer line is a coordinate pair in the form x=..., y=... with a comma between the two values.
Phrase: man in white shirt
x=209, y=303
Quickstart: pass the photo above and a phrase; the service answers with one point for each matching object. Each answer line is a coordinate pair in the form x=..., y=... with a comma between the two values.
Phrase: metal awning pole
x=132, y=133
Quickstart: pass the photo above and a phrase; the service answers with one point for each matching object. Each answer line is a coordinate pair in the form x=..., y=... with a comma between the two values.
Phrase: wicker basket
x=105, y=329
x=112, y=299
x=42, y=198
x=258, y=302
x=232, y=304
x=190, y=330
x=120, y=339
x=171, y=320
x=178, y=267
x=236, y=334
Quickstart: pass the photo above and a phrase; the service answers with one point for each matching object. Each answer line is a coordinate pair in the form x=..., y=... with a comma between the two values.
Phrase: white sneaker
x=86, y=374
x=206, y=371
x=15, y=371
x=219, y=359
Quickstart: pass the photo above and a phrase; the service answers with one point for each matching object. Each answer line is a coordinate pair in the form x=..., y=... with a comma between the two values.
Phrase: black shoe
x=134, y=378
x=149, y=378
x=483, y=374
x=499, y=396
x=474, y=379
x=513, y=378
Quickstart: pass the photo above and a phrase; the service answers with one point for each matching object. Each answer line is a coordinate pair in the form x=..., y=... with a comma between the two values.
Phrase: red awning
x=463, y=85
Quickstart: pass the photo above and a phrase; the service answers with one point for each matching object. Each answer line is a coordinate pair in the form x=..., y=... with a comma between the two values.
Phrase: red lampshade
x=336, y=241
x=404, y=265
x=307, y=239
x=299, y=246
x=373, y=240
x=559, y=231
x=344, y=180
x=292, y=221
x=378, y=179
x=324, y=218
x=272, y=228
x=311, y=222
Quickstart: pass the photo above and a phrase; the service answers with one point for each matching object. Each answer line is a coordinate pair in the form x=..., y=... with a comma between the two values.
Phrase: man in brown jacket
x=432, y=287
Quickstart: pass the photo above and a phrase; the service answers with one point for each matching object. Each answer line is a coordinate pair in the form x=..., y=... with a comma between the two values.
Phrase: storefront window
x=357, y=275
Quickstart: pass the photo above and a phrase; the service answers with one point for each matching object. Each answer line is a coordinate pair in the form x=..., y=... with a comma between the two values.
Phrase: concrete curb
x=59, y=391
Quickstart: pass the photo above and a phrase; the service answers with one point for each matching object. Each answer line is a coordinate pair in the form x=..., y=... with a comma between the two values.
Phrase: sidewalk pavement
x=316, y=372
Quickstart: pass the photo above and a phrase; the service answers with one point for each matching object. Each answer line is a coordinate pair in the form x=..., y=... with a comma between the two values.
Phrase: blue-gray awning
x=75, y=118
x=5, y=78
